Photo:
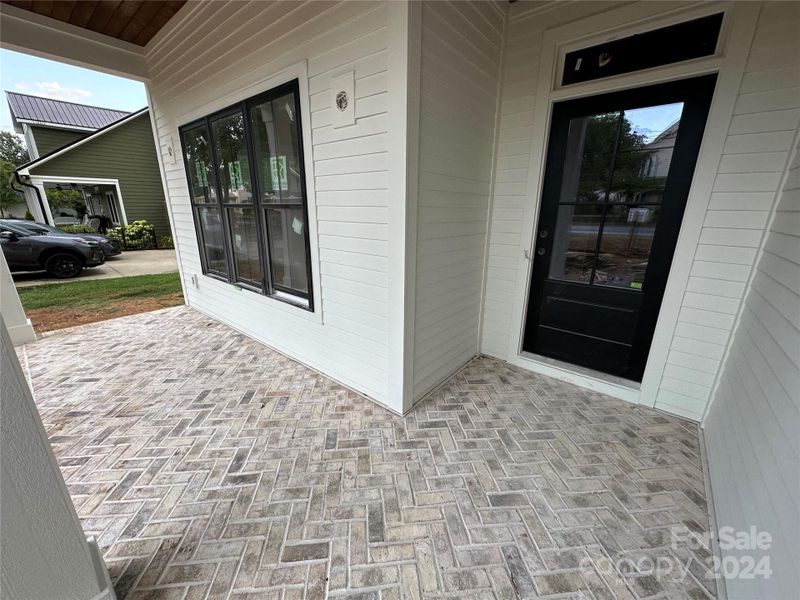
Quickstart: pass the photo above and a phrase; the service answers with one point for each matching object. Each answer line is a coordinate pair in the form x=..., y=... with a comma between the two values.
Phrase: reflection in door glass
x=644, y=153
x=615, y=170
x=589, y=158
x=625, y=246
x=575, y=242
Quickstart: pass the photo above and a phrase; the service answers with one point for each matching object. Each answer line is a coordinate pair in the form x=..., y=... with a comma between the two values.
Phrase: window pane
x=197, y=155
x=244, y=235
x=575, y=241
x=213, y=238
x=647, y=139
x=276, y=138
x=287, y=240
x=625, y=246
x=231, y=149
x=589, y=156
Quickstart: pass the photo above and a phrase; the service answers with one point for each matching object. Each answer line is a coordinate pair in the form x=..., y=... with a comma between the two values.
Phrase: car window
x=14, y=229
x=33, y=227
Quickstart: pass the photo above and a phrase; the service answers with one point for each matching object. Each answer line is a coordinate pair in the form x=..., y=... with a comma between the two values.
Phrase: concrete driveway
x=137, y=262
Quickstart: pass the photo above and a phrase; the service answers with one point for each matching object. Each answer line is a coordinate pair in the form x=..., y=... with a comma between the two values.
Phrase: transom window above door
x=246, y=176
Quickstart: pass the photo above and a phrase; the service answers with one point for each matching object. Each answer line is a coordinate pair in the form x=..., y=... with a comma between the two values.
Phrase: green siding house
x=48, y=139
x=107, y=155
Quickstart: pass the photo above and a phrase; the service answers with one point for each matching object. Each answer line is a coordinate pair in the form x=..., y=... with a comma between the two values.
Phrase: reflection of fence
x=135, y=236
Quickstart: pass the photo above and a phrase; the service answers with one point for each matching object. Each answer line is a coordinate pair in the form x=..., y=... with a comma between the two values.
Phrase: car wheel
x=63, y=266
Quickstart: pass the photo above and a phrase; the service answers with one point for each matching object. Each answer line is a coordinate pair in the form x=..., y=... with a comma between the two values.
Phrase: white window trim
x=729, y=62
x=297, y=71
x=40, y=180
x=30, y=141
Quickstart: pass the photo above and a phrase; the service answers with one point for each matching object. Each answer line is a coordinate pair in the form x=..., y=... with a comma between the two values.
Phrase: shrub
x=29, y=216
x=77, y=229
x=165, y=241
x=139, y=235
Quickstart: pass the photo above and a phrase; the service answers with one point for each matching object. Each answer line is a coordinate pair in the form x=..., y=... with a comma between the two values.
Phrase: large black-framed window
x=246, y=175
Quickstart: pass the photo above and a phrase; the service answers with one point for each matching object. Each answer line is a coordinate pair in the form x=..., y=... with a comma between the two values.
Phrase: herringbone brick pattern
x=209, y=466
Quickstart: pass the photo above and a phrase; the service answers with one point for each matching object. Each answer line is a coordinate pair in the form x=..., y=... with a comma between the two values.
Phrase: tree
x=68, y=198
x=8, y=196
x=12, y=154
x=12, y=149
x=611, y=139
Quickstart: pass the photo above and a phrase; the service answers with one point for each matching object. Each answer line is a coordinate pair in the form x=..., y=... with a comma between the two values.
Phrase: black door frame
x=696, y=93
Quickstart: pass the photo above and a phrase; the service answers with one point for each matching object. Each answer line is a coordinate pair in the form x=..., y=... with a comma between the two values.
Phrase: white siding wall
x=751, y=430
x=759, y=138
x=460, y=69
x=749, y=173
x=515, y=138
x=222, y=47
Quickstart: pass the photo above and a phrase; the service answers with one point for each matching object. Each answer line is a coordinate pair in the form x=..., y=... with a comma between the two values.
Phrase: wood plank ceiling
x=134, y=21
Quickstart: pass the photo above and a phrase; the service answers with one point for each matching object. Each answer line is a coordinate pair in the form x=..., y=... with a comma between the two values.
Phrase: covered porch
x=209, y=466
x=451, y=428
x=73, y=201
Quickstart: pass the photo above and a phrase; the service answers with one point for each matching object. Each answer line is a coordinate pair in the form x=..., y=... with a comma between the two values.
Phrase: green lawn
x=99, y=292
x=59, y=305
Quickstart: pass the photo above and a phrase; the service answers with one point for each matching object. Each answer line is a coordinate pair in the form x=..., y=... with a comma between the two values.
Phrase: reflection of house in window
x=660, y=156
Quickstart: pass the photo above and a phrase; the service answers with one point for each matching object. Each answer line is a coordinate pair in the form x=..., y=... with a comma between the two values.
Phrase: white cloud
x=53, y=89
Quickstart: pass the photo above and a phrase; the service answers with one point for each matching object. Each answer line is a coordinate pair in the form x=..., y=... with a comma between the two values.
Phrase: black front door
x=619, y=168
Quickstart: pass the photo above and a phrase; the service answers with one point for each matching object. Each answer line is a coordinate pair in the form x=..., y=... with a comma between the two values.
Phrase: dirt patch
x=50, y=319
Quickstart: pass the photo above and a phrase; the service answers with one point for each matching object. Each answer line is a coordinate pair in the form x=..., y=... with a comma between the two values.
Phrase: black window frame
x=265, y=286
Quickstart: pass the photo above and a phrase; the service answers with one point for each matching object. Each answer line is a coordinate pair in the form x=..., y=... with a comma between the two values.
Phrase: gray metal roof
x=59, y=112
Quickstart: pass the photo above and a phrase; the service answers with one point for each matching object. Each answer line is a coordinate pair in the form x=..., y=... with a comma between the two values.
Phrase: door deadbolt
x=540, y=251
x=543, y=233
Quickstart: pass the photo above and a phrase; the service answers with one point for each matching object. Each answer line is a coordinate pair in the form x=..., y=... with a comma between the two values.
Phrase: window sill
x=292, y=305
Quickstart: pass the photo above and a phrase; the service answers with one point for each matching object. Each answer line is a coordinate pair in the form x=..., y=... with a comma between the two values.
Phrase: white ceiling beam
x=31, y=33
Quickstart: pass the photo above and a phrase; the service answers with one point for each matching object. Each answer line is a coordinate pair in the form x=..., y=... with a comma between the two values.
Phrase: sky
x=41, y=77
x=652, y=120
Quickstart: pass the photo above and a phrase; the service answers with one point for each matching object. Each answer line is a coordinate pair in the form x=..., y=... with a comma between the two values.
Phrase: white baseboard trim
x=103, y=578
x=22, y=334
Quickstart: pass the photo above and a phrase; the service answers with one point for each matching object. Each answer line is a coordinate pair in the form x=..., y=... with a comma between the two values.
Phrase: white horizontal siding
x=751, y=430
x=459, y=71
x=754, y=157
x=217, y=51
x=520, y=74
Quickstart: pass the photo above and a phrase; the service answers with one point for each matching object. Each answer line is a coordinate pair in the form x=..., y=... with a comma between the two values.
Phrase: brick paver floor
x=209, y=466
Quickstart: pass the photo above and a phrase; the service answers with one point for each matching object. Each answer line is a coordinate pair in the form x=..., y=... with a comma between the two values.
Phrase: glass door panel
x=625, y=246
x=575, y=242
x=619, y=167
x=612, y=157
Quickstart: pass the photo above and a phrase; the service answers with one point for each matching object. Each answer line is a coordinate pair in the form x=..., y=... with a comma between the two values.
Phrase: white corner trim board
x=19, y=325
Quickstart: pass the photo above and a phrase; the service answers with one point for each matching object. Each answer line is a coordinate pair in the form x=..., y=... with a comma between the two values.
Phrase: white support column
x=32, y=200
x=45, y=202
x=19, y=325
x=45, y=552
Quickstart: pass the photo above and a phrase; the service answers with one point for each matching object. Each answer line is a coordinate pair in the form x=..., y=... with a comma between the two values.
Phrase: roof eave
x=52, y=125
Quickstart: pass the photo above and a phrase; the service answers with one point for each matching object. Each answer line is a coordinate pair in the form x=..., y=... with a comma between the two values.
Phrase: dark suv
x=110, y=246
x=61, y=257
